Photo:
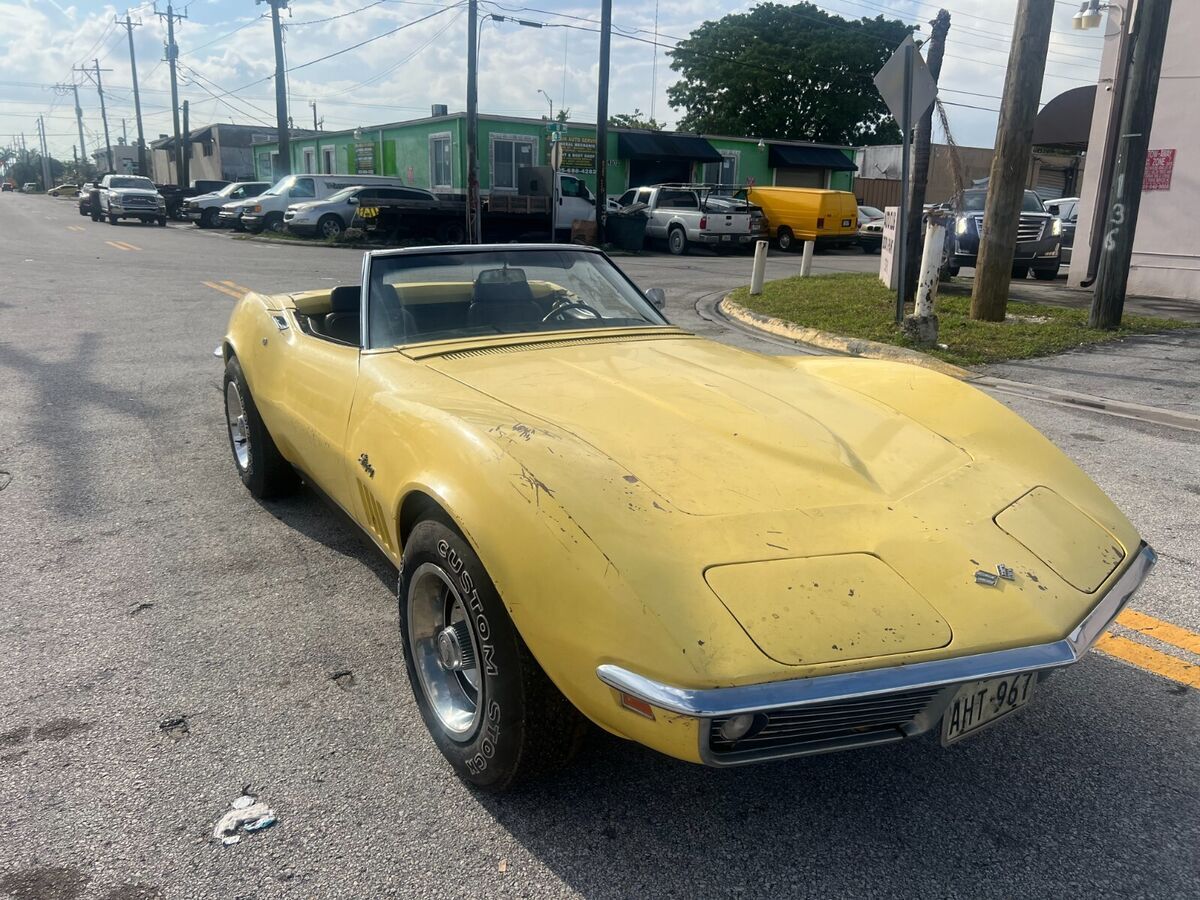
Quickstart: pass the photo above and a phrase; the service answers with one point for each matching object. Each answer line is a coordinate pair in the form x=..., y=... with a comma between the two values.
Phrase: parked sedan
x=870, y=229
x=1067, y=209
x=725, y=556
x=328, y=218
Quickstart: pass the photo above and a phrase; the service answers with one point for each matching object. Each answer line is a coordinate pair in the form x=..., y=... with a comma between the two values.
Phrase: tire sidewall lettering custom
x=488, y=758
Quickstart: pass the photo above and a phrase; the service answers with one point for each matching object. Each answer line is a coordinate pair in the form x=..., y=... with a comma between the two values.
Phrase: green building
x=432, y=153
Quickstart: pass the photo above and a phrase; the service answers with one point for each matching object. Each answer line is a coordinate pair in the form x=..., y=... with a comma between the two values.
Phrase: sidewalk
x=1056, y=293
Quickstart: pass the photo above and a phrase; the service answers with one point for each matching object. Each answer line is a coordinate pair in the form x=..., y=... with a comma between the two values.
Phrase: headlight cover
x=1056, y=227
x=960, y=226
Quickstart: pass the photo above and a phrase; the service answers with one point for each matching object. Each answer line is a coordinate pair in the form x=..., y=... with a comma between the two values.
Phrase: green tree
x=634, y=119
x=789, y=72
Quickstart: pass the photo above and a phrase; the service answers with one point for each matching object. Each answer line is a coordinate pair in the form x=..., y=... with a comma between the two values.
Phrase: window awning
x=658, y=145
x=791, y=156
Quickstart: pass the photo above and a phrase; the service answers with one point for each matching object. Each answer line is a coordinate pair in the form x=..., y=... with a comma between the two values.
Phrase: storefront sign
x=1160, y=165
x=364, y=159
x=577, y=154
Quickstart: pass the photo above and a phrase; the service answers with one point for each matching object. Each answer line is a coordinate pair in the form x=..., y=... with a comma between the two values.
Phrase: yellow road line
x=129, y=245
x=236, y=286
x=1150, y=659
x=117, y=245
x=75, y=228
x=1174, y=635
x=229, y=292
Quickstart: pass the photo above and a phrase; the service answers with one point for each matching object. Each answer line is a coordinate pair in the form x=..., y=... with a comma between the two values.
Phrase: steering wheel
x=571, y=304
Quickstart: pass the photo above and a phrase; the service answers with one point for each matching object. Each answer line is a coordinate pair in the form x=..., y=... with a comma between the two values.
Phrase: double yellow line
x=122, y=245
x=76, y=228
x=1168, y=665
x=229, y=288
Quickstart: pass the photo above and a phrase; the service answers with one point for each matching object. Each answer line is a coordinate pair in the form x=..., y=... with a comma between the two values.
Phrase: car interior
x=498, y=301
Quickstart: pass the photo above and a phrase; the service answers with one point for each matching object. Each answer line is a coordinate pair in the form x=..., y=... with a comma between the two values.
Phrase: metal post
x=602, y=121
x=905, y=163
x=1121, y=211
x=473, y=229
x=282, y=123
x=760, y=268
x=806, y=259
x=137, y=100
x=186, y=179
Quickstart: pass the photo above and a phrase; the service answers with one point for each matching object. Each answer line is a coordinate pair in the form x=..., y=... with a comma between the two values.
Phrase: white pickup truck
x=685, y=214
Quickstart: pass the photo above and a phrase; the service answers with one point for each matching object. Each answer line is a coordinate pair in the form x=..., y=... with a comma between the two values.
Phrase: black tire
x=162, y=221
x=525, y=726
x=785, y=239
x=1020, y=273
x=1046, y=274
x=453, y=233
x=265, y=473
x=208, y=218
x=82, y=211
x=273, y=222
x=112, y=220
x=330, y=227
x=677, y=242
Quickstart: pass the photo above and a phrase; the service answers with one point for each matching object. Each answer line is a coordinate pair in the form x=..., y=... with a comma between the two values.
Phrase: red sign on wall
x=1159, y=166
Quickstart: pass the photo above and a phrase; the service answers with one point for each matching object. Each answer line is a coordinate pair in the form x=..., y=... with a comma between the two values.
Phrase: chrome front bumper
x=856, y=687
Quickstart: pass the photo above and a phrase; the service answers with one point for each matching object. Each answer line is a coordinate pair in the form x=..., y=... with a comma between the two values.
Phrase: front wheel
x=208, y=218
x=112, y=220
x=785, y=238
x=260, y=465
x=1020, y=273
x=1046, y=274
x=330, y=227
x=492, y=711
x=273, y=223
x=677, y=242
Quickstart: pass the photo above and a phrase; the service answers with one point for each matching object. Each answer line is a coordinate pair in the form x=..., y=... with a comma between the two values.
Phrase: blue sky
x=226, y=59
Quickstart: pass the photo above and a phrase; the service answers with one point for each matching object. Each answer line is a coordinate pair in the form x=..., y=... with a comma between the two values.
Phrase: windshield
x=871, y=212
x=343, y=195
x=281, y=186
x=974, y=201
x=439, y=296
x=143, y=184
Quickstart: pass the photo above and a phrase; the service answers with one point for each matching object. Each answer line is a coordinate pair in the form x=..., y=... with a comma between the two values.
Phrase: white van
x=267, y=212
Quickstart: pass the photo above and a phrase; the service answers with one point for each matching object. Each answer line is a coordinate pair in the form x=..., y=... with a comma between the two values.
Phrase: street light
x=1088, y=16
x=548, y=100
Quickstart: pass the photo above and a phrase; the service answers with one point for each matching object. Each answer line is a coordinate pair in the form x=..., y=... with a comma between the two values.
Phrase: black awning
x=657, y=145
x=791, y=156
x=1066, y=121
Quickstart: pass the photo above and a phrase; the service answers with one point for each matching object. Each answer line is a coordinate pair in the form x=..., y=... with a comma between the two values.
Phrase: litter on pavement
x=246, y=814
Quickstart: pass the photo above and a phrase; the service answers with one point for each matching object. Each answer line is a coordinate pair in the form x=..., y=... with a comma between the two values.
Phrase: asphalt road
x=165, y=640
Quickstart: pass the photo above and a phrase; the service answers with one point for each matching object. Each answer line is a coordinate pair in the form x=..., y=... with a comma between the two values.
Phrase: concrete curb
x=302, y=242
x=838, y=344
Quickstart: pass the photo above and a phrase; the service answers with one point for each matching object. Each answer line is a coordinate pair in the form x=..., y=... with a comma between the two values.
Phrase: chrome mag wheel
x=445, y=651
x=239, y=431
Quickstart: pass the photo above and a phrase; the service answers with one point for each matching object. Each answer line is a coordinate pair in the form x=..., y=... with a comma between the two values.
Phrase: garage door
x=813, y=178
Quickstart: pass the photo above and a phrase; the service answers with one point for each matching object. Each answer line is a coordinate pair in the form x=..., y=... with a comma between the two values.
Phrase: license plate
x=981, y=703
x=845, y=223
x=727, y=237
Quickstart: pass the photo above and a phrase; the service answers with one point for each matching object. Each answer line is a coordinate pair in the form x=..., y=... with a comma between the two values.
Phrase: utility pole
x=74, y=89
x=282, y=122
x=1124, y=202
x=186, y=179
x=172, y=56
x=93, y=75
x=137, y=100
x=602, y=121
x=313, y=104
x=1014, y=141
x=124, y=132
x=45, y=155
x=474, y=226
x=940, y=26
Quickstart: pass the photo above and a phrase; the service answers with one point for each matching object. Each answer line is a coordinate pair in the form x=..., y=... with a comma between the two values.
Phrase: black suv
x=1039, y=236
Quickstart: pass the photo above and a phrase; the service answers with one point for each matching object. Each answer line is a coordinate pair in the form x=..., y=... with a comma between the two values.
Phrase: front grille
x=1029, y=229
x=129, y=202
x=798, y=730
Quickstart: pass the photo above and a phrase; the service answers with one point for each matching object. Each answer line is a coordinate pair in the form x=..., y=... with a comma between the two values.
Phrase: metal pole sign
x=908, y=89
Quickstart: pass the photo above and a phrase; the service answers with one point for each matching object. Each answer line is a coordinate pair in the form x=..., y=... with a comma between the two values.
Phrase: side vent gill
x=375, y=519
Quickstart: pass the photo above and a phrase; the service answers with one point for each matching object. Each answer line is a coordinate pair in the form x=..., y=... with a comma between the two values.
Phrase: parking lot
x=166, y=641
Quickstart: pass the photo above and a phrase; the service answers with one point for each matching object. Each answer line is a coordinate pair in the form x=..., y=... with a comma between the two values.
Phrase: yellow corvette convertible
x=724, y=556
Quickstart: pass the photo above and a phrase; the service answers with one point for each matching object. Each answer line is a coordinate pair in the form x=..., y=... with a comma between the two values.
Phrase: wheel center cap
x=450, y=653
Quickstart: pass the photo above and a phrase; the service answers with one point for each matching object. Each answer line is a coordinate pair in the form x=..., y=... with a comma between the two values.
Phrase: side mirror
x=352, y=201
x=1052, y=209
x=657, y=298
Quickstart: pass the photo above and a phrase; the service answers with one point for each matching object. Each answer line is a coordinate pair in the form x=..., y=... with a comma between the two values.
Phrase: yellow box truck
x=796, y=214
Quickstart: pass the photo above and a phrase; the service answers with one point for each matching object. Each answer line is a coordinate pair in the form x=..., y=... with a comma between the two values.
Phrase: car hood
x=715, y=431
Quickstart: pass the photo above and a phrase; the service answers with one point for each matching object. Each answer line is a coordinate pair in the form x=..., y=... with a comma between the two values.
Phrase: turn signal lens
x=637, y=705
x=735, y=727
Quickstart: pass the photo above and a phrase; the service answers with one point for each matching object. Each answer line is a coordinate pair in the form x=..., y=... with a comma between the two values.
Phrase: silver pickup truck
x=685, y=214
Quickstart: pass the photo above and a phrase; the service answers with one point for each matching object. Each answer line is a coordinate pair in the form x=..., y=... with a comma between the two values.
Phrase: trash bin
x=627, y=230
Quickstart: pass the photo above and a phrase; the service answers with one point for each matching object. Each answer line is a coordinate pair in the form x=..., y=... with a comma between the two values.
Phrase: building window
x=510, y=153
x=310, y=160
x=441, y=161
x=723, y=172
x=327, y=160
